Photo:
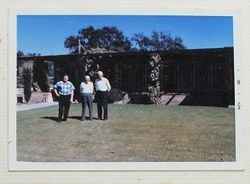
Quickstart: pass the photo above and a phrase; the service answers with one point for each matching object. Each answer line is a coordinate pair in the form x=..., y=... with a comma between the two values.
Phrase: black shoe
x=59, y=120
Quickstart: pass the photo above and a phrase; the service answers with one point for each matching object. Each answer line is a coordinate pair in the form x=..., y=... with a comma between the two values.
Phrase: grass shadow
x=79, y=117
x=70, y=117
x=51, y=118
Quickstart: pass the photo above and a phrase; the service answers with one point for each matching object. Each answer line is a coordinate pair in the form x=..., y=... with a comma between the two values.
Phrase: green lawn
x=132, y=133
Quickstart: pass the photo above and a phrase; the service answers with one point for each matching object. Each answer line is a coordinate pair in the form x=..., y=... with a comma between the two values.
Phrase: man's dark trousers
x=102, y=103
x=64, y=105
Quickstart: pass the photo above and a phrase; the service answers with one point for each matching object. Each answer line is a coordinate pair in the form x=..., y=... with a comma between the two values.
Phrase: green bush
x=115, y=95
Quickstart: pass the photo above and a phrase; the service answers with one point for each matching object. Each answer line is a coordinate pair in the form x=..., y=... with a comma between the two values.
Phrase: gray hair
x=87, y=77
x=100, y=73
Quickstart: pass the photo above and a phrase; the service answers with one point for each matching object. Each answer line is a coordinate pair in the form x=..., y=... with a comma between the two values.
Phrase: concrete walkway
x=25, y=107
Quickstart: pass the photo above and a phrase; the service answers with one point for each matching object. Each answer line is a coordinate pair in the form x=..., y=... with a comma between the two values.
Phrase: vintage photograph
x=125, y=88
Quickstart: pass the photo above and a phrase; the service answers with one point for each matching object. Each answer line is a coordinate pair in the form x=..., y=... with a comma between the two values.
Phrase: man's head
x=100, y=74
x=65, y=78
x=87, y=78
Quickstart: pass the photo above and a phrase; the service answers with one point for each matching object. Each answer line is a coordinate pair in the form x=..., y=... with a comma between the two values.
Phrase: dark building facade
x=205, y=75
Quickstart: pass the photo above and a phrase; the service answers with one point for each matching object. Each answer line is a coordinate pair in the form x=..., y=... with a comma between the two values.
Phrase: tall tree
x=157, y=41
x=108, y=38
x=40, y=75
x=27, y=83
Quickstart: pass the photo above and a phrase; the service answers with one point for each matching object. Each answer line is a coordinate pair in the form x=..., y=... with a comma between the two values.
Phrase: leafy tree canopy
x=157, y=41
x=21, y=53
x=109, y=38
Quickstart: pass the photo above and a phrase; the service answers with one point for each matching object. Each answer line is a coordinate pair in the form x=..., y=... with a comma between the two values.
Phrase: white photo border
x=15, y=165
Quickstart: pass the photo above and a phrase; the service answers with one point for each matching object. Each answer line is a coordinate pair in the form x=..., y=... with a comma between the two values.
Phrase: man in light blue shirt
x=102, y=87
x=86, y=90
x=64, y=90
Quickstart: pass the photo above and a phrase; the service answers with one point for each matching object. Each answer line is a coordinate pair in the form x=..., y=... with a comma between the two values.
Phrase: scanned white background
x=242, y=62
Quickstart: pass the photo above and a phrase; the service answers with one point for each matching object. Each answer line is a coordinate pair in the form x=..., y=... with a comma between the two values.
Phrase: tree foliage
x=27, y=83
x=40, y=75
x=111, y=39
x=39, y=69
x=20, y=53
x=108, y=38
x=154, y=79
x=157, y=41
x=33, y=54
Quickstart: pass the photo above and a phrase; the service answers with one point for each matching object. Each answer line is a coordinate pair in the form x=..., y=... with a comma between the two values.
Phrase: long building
x=205, y=75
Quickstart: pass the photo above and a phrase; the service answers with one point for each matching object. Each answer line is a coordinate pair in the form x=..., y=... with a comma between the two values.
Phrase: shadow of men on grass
x=79, y=117
x=51, y=118
x=70, y=117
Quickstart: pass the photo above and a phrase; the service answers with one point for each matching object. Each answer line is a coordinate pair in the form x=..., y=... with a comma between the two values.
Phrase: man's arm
x=55, y=89
x=108, y=85
x=56, y=92
x=92, y=86
x=81, y=88
x=95, y=86
x=72, y=96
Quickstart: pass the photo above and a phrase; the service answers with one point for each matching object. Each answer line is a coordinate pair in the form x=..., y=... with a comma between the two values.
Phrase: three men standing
x=65, y=91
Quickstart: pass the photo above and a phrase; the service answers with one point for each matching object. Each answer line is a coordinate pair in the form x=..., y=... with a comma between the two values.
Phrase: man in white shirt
x=102, y=87
x=86, y=90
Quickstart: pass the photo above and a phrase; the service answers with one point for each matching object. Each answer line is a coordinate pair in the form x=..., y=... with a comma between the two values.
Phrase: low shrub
x=115, y=95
